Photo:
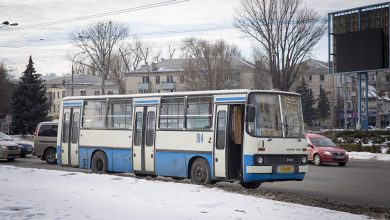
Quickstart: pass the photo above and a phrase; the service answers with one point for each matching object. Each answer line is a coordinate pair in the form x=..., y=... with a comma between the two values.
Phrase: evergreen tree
x=29, y=102
x=6, y=87
x=323, y=107
x=308, y=102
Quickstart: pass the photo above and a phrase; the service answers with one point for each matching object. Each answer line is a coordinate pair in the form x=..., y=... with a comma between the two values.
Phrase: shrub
x=351, y=147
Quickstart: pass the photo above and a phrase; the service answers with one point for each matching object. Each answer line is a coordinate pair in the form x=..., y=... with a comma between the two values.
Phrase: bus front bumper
x=270, y=174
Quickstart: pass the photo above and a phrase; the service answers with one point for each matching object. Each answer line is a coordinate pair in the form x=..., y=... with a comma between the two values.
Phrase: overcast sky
x=49, y=45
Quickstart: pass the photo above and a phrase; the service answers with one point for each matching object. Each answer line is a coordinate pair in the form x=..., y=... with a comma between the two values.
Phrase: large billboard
x=359, y=39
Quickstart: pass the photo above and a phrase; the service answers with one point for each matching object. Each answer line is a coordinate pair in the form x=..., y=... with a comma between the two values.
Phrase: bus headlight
x=304, y=159
x=259, y=160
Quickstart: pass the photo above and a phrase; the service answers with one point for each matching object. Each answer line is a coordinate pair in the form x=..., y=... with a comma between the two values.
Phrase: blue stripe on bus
x=143, y=102
x=176, y=163
x=73, y=104
x=119, y=160
x=248, y=161
x=231, y=99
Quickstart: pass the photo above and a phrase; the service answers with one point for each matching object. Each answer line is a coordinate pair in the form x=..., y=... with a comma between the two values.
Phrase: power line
x=104, y=14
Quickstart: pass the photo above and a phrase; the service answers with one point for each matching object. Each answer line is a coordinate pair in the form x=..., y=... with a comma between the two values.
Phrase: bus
x=250, y=136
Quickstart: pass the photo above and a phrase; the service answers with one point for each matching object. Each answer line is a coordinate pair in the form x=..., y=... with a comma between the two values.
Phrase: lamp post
x=72, y=88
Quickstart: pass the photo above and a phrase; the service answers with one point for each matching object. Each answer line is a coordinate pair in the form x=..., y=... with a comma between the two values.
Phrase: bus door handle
x=216, y=159
x=209, y=140
x=151, y=156
x=134, y=155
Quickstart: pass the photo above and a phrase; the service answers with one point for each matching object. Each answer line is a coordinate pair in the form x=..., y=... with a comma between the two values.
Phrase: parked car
x=45, y=141
x=25, y=147
x=9, y=150
x=323, y=150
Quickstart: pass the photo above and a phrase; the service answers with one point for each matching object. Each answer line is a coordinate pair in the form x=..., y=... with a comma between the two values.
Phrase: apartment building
x=169, y=76
x=84, y=85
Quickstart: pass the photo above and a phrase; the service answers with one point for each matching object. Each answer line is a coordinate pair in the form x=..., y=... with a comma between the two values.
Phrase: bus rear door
x=70, y=133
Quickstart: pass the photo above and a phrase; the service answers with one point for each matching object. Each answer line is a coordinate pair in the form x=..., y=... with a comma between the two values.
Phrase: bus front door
x=144, y=138
x=220, y=142
x=70, y=136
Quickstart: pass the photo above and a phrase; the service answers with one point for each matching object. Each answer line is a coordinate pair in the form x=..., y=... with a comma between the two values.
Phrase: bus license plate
x=285, y=169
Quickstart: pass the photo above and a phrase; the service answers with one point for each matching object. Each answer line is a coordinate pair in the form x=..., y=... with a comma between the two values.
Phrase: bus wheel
x=99, y=163
x=50, y=156
x=250, y=185
x=200, y=172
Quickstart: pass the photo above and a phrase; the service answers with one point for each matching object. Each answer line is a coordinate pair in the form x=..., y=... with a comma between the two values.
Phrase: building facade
x=83, y=85
x=169, y=76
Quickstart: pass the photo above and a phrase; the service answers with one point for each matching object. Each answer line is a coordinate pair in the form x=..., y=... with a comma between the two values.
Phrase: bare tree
x=99, y=41
x=208, y=64
x=171, y=51
x=287, y=31
x=118, y=73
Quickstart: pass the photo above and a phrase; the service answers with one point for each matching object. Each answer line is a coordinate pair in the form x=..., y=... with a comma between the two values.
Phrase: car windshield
x=5, y=137
x=322, y=142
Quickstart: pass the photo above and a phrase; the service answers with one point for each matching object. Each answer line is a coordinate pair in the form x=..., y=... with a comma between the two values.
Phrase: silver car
x=9, y=150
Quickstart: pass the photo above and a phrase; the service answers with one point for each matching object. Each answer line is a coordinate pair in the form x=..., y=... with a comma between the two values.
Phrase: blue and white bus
x=250, y=136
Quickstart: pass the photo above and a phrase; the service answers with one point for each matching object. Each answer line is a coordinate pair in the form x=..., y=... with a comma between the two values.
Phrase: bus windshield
x=276, y=115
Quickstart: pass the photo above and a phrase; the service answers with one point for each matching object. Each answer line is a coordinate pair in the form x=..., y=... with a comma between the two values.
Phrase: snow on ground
x=368, y=156
x=46, y=194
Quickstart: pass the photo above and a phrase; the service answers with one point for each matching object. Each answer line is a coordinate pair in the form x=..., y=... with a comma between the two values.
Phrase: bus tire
x=10, y=159
x=200, y=172
x=250, y=185
x=50, y=155
x=99, y=163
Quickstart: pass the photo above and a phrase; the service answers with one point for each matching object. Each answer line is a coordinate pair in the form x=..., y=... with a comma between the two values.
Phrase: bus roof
x=209, y=92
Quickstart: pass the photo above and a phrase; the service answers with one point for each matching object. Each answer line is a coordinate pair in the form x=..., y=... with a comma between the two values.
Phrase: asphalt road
x=360, y=182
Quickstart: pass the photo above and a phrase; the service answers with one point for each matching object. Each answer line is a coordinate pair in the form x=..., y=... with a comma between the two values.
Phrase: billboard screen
x=360, y=50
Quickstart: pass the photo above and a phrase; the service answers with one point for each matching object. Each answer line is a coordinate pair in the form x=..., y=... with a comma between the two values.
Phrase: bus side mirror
x=250, y=114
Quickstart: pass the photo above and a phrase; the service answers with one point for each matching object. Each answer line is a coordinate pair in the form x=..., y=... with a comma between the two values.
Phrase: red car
x=323, y=150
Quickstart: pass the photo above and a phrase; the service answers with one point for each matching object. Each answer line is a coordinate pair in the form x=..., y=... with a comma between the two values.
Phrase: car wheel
x=10, y=159
x=99, y=163
x=317, y=160
x=342, y=164
x=250, y=185
x=200, y=172
x=50, y=156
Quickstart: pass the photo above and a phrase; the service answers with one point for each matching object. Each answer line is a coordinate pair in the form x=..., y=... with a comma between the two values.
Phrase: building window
x=310, y=77
x=145, y=79
x=58, y=95
x=49, y=95
x=58, y=108
x=83, y=93
x=387, y=78
x=54, y=108
x=119, y=114
x=181, y=79
x=169, y=79
x=110, y=93
x=97, y=92
x=172, y=113
x=63, y=94
x=157, y=79
x=94, y=114
x=199, y=112
x=322, y=77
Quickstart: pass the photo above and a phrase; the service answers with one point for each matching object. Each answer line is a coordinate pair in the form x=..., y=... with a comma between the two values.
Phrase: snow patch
x=47, y=194
x=369, y=156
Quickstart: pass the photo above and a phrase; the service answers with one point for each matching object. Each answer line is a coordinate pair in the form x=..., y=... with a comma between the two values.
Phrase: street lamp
x=72, y=88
